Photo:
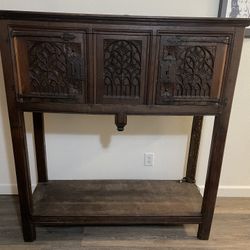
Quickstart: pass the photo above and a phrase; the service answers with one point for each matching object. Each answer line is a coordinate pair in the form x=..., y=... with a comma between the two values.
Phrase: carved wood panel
x=121, y=65
x=50, y=66
x=188, y=69
x=122, y=68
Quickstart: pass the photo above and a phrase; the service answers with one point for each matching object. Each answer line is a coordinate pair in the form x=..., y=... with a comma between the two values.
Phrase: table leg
x=194, y=149
x=18, y=134
x=213, y=174
x=23, y=176
x=39, y=138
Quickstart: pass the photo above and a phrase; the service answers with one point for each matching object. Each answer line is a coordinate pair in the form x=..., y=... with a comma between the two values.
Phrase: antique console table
x=119, y=65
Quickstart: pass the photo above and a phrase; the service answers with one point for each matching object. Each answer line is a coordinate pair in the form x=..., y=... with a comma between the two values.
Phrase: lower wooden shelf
x=66, y=202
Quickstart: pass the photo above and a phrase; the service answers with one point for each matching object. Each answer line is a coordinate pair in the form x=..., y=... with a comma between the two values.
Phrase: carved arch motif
x=55, y=68
x=186, y=70
x=122, y=68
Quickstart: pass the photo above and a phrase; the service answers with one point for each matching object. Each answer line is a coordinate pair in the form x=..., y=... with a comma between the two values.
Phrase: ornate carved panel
x=121, y=63
x=187, y=70
x=55, y=68
x=122, y=68
x=50, y=65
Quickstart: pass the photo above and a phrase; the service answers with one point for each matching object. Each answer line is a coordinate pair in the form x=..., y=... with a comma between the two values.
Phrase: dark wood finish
x=191, y=67
x=19, y=143
x=122, y=19
x=121, y=68
x=120, y=65
x=230, y=231
x=129, y=109
x=194, y=149
x=117, y=202
x=39, y=137
x=115, y=220
x=222, y=12
x=219, y=139
x=50, y=65
x=120, y=121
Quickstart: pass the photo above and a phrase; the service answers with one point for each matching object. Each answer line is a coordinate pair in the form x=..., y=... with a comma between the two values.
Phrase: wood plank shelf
x=116, y=202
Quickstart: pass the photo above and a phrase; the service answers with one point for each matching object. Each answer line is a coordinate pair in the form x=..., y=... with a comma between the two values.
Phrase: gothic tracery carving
x=122, y=68
x=55, y=68
x=186, y=70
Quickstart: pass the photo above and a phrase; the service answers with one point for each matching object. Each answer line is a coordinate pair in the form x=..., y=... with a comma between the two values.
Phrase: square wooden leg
x=213, y=174
x=23, y=175
x=194, y=149
x=39, y=138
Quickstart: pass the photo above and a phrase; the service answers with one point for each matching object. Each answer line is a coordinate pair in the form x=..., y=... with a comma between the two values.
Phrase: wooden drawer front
x=190, y=68
x=121, y=68
x=50, y=65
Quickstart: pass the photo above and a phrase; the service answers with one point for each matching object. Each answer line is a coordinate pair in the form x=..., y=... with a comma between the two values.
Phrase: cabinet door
x=50, y=65
x=190, y=68
x=121, y=68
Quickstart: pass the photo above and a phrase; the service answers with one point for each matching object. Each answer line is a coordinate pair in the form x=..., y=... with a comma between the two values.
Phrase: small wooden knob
x=120, y=121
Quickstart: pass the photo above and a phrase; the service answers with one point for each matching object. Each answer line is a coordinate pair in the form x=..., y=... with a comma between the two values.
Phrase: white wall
x=81, y=146
x=135, y=7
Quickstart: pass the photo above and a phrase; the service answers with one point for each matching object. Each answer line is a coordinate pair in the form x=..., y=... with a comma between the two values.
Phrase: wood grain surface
x=116, y=198
x=230, y=230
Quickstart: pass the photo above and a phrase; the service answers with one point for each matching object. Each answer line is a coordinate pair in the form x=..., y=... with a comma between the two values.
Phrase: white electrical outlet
x=149, y=159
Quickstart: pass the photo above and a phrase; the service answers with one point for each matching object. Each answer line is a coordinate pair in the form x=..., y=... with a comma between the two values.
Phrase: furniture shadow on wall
x=104, y=126
x=91, y=141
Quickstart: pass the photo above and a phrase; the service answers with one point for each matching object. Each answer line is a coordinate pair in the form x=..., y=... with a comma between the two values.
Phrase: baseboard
x=8, y=189
x=230, y=191
x=224, y=191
